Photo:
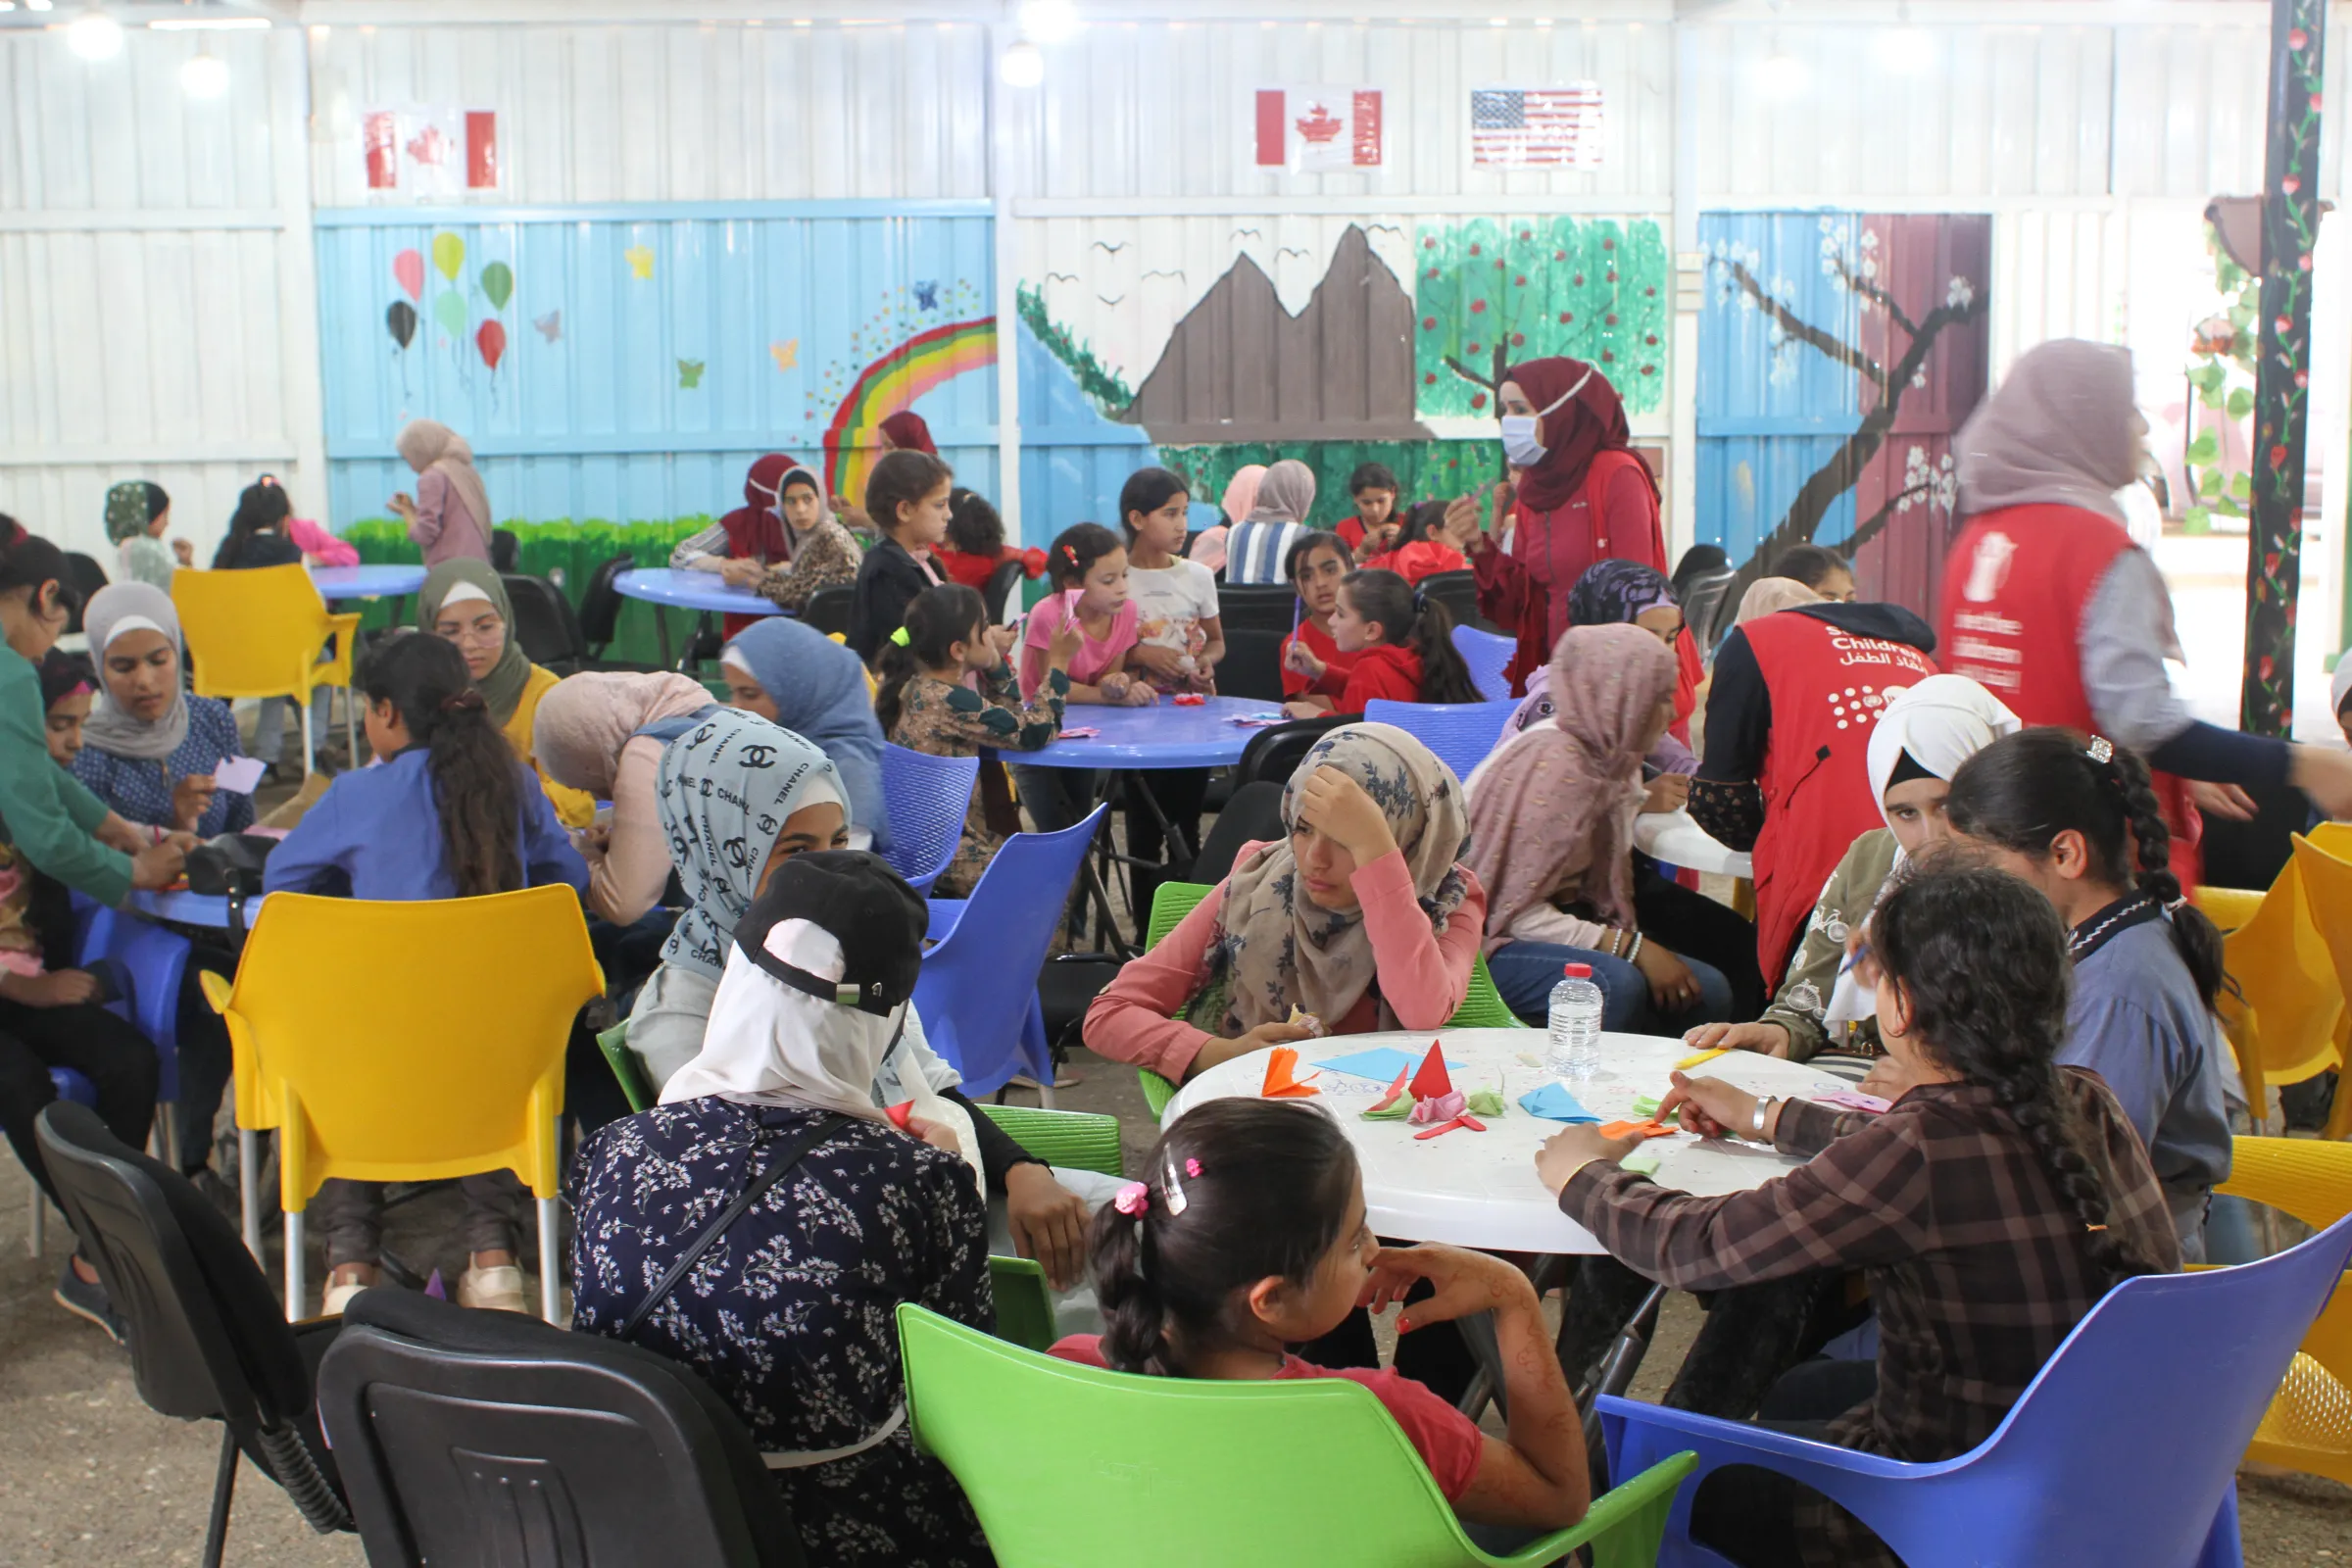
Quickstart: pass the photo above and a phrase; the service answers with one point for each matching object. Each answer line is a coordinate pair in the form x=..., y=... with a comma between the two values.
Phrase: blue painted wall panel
x=1073, y=458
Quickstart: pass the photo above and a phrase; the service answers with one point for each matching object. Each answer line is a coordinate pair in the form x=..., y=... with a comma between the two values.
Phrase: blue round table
x=337, y=583
x=1163, y=735
x=667, y=588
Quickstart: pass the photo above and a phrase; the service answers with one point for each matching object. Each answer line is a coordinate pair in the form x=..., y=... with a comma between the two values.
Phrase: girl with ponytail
x=1248, y=1236
x=2078, y=818
x=450, y=812
x=1990, y=1208
x=1403, y=641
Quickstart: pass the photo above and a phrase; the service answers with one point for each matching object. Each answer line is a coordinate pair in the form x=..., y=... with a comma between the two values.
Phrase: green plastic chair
x=1067, y=1464
x=614, y=1044
x=1024, y=1303
x=1482, y=1006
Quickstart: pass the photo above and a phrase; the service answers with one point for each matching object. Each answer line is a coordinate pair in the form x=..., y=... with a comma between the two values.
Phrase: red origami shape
x=1432, y=1079
x=901, y=1114
x=1395, y=1089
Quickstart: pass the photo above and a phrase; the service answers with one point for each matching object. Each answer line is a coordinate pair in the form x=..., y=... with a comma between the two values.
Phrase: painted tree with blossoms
x=1886, y=341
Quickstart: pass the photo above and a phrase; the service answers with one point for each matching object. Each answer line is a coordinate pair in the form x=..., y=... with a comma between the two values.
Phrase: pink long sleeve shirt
x=1424, y=973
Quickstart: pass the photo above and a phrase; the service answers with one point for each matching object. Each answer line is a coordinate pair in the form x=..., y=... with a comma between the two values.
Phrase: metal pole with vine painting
x=2291, y=225
x=1885, y=378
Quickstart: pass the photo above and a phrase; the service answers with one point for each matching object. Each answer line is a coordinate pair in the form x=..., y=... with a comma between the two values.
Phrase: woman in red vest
x=1787, y=772
x=1581, y=495
x=2047, y=602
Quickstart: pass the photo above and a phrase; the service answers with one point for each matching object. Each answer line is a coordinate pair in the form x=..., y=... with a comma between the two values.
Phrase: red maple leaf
x=428, y=146
x=1320, y=126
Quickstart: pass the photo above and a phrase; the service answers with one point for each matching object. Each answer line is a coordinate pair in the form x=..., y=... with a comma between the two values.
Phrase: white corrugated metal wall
x=157, y=320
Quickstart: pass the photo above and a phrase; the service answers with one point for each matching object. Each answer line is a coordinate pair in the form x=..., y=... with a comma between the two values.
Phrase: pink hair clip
x=1192, y=1167
x=1132, y=1199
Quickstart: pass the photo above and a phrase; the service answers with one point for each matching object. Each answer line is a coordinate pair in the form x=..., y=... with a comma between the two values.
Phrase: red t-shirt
x=1333, y=682
x=973, y=572
x=1381, y=671
x=1447, y=1441
x=1423, y=558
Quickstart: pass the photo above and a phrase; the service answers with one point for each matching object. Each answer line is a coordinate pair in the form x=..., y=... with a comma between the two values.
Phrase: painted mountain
x=1240, y=366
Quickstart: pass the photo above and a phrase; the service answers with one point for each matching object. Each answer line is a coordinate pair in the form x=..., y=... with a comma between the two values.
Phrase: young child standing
x=1249, y=1235
x=1403, y=643
x=906, y=496
x=451, y=813
x=1180, y=635
x=1313, y=666
x=926, y=703
x=1088, y=568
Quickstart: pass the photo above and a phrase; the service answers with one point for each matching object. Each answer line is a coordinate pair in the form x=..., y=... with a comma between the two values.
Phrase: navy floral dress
x=141, y=790
x=790, y=1316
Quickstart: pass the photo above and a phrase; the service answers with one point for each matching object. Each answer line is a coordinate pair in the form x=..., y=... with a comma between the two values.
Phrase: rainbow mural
x=893, y=382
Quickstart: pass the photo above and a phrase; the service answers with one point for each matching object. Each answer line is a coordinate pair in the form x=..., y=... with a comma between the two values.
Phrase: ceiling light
x=1049, y=22
x=210, y=25
x=94, y=35
x=203, y=75
x=40, y=4
x=1022, y=66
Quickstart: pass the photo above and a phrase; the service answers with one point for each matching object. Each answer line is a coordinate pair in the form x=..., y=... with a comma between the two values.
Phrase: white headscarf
x=1941, y=724
x=770, y=1045
x=113, y=610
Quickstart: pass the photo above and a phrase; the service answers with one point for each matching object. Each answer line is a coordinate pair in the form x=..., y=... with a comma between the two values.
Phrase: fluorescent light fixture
x=94, y=35
x=40, y=4
x=211, y=25
x=203, y=75
x=1022, y=66
x=1049, y=22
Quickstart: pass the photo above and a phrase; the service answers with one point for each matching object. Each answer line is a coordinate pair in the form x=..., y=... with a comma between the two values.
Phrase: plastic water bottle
x=1574, y=1049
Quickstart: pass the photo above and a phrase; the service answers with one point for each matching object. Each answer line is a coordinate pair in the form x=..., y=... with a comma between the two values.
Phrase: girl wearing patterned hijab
x=1361, y=919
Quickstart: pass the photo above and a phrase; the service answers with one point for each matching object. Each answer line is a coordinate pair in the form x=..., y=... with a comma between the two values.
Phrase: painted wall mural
x=1838, y=354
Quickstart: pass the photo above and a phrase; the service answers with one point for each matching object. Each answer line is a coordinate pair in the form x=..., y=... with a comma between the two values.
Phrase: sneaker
x=493, y=1290
x=86, y=1298
x=339, y=1297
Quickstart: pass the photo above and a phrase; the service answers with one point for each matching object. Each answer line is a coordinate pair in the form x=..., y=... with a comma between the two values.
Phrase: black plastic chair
x=1458, y=591
x=85, y=577
x=1274, y=754
x=828, y=609
x=600, y=604
x=544, y=623
x=506, y=551
x=1253, y=813
x=1256, y=607
x=1003, y=584
x=1253, y=662
x=485, y=1439
x=208, y=1340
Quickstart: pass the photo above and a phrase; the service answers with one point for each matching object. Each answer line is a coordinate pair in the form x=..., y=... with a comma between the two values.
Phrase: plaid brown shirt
x=1978, y=1269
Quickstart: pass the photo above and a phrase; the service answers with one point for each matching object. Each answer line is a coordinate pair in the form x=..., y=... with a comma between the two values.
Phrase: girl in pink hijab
x=1240, y=500
x=448, y=518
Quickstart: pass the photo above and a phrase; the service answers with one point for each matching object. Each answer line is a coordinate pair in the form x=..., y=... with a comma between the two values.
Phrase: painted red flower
x=1477, y=307
x=2270, y=563
x=2290, y=184
x=1607, y=357
x=1609, y=320
x=1429, y=244
x=1612, y=277
x=1431, y=379
x=2278, y=456
x=1473, y=348
x=2317, y=102
x=1518, y=340
x=1650, y=369
x=1428, y=323
x=2297, y=39
x=1478, y=399
x=1499, y=264
x=2303, y=261
x=2302, y=378
x=1474, y=249
x=2284, y=326
x=1559, y=256
x=1609, y=244
x=1566, y=317
x=1527, y=233
x=1650, y=292
x=1579, y=281
x=1433, y=271
x=1651, y=340
x=2266, y=667
x=1519, y=281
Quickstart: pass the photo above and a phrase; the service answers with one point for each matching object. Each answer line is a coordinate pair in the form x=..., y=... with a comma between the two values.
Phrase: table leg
x=1618, y=1367
x=661, y=631
x=1179, y=853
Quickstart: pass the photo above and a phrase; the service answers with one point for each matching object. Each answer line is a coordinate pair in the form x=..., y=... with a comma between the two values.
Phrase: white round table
x=1672, y=837
x=1480, y=1189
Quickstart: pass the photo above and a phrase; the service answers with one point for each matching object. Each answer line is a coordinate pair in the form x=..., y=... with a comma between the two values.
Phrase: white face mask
x=1519, y=443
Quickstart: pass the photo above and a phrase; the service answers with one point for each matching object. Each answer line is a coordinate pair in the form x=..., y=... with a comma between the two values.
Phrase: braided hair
x=2026, y=789
x=1941, y=938
x=1236, y=1191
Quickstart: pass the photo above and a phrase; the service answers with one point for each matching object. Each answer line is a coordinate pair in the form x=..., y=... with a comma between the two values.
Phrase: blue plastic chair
x=1460, y=733
x=978, y=990
x=2124, y=1448
x=152, y=963
x=927, y=796
x=1487, y=653
x=73, y=1086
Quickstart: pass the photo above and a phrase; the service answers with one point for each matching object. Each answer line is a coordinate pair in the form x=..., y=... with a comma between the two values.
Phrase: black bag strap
x=794, y=1152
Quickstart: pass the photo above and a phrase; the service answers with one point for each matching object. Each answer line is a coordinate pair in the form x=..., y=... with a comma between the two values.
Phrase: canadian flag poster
x=430, y=152
x=1310, y=131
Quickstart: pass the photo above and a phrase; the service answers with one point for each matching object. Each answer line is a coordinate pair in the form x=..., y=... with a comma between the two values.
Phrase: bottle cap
x=1579, y=971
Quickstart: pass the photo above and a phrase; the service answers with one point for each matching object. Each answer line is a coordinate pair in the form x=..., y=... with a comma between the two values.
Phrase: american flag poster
x=1538, y=128
x=1315, y=130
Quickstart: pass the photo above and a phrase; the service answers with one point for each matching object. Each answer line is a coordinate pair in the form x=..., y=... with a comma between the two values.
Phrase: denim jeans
x=1054, y=797
x=1526, y=971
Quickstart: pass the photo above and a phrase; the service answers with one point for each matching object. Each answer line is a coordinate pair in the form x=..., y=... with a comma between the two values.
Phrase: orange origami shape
x=1281, y=1082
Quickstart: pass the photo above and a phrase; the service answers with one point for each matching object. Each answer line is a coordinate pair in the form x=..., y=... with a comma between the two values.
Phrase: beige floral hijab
x=1273, y=949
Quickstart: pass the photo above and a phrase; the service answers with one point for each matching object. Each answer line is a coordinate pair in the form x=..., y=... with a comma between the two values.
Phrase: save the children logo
x=1988, y=568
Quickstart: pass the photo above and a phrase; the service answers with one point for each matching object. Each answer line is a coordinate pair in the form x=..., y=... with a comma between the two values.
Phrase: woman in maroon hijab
x=1579, y=494
x=905, y=431
x=741, y=545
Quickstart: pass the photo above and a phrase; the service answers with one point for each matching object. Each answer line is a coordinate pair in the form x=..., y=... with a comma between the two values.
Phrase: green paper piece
x=448, y=308
x=1647, y=1105
x=1396, y=1111
x=1484, y=1103
x=497, y=281
x=1643, y=1161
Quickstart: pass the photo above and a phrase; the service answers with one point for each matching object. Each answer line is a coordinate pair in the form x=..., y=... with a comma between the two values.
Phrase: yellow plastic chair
x=408, y=1042
x=2324, y=861
x=258, y=634
x=2282, y=1024
x=2308, y=1424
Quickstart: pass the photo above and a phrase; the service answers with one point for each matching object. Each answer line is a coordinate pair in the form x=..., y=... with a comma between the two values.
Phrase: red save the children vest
x=2015, y=590
x=1827, y=687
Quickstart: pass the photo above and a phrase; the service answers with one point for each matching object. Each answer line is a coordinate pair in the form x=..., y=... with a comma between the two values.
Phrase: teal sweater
x=44, y=810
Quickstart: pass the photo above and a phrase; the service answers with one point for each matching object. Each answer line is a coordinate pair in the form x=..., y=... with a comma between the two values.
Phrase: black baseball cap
x=878, y=918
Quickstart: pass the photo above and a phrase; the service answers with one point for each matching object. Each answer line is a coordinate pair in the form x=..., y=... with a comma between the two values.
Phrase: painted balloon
x=449, y=255
x=400, y=321
x=497, y=281
x=450, y=311
x=408, y=269
x=491, y=340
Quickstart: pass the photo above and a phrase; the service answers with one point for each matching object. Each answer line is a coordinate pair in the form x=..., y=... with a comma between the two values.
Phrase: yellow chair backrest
x=2309, y=1424
x=254, y=633
x=2284, y=1024
x=410, y=1041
